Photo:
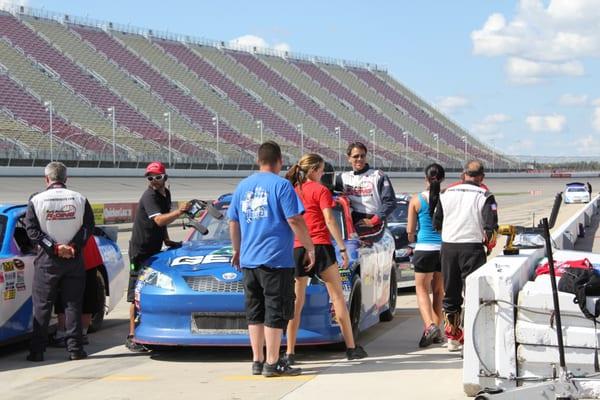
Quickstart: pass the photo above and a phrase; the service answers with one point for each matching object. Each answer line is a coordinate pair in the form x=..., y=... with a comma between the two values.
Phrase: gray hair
x=56, y=172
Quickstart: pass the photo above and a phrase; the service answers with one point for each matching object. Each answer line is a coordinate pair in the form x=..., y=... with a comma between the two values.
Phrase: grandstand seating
x=121, y=83
x=84, y=70
x=301, y=87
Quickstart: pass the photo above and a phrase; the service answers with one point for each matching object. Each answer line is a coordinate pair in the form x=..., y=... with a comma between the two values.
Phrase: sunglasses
x=357, y=156
x=155, y=178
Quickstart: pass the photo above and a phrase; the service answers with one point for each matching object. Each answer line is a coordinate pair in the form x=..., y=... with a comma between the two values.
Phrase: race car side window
x=2, y=229
x=21, y=238
x=338, y=213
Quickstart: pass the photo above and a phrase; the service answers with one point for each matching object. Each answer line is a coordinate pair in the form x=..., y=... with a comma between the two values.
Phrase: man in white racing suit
x=467, y=217
x=60, y=221
x=370, y=193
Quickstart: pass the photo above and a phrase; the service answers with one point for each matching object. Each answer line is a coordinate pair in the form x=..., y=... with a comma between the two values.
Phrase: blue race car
x=192, y=296
x=16, y=274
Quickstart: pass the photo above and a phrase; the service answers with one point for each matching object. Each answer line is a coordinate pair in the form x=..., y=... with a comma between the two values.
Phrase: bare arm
x=168, y=218
x=335, y=231
x=411, y=225
x=235, y=236
x=301, y=231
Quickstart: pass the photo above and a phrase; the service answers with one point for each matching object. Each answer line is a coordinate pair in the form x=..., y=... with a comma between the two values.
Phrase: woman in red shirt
x=318, y=204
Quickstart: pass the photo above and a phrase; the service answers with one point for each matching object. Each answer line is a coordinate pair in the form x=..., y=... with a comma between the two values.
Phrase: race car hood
x=195, y=258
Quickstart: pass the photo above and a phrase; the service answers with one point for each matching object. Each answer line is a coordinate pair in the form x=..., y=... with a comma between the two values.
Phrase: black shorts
x=324, y=258
x=427, y=261
x=269, y=296
x=135, y=266
x=90, y=304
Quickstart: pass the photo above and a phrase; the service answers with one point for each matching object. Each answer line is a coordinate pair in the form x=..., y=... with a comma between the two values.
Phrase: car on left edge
x=17, y=253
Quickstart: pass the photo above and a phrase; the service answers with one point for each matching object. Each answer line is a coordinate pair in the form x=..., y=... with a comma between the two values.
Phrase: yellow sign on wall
x=98, y=213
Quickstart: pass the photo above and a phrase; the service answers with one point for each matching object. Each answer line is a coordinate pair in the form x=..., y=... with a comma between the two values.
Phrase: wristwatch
x=342, y=250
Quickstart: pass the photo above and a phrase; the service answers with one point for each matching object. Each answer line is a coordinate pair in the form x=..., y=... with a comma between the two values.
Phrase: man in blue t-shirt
x=265, y=213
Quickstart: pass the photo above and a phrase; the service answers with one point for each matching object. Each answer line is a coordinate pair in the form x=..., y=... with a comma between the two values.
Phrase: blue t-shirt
x=261, y=204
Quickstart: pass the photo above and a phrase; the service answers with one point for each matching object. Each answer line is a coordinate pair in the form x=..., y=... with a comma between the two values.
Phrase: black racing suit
x=58, y=216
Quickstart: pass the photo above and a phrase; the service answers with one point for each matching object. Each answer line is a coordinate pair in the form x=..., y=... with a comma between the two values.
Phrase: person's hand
x=309, y=260
x=235, y=260
x=65, y=251
x=171, y=243
x=345, y=260
x=185, y=207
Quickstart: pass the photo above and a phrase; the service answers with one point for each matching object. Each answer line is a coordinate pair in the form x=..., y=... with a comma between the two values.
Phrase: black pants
x=47, y=281
x=459, y=260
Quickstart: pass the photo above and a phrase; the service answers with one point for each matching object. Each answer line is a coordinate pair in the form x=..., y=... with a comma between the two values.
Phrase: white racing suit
x=372, y=197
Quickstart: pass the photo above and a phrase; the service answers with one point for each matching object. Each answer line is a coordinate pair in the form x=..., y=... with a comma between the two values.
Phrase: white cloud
x=555, y=36
x=524, y=71
x=451, y=104
x=8, y=4
x=573, y=100
x=587, y=145
x=256, y=41
x=490, y=126
x=546, y=123
x=596, y=102
x=596, y=116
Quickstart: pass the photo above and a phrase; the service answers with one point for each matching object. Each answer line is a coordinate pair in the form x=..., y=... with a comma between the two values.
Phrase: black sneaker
x=430, y=335
x=280, y=368
x=35, y=356
x=356, y=353
x=60, y=342
x=77, y=355
x=133, y=346
x=257, y=367
x=289, y=359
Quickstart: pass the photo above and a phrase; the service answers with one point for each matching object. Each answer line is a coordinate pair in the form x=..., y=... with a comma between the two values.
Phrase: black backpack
x=583, y=282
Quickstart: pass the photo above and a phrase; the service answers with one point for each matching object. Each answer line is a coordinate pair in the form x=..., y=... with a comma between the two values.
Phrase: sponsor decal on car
x=222, y=255
x=229, y=276
x=19, y=264
x=8, y=266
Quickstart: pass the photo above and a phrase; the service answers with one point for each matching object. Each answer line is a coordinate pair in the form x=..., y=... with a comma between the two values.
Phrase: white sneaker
x=454, y=345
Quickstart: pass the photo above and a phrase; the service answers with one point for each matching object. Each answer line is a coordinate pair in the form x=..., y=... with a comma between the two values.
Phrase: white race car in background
x=576, y=192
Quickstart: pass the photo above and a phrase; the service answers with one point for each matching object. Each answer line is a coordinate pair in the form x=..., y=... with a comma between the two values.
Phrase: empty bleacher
x=146, y=77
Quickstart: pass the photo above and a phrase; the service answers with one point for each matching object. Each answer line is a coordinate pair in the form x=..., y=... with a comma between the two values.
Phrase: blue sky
x=521, y=74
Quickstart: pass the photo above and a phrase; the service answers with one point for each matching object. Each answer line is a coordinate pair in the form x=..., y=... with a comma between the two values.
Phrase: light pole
x=215, y=121
x=405, y=133
x=111, y=113
x=436, y=137
x=464, y=138
x=372, y=132
x=48, y=105
x=167, y=116
x=493, y=141
x=338, y=131
x=301, y=130
x=259, y=125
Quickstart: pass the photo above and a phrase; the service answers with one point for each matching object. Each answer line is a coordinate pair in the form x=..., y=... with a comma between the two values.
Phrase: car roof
x=12, y=209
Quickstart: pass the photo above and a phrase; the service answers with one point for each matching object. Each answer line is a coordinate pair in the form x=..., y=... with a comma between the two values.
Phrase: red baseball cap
x=156, y=168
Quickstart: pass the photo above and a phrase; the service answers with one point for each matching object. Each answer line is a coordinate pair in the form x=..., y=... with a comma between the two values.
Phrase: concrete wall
x=194, y=173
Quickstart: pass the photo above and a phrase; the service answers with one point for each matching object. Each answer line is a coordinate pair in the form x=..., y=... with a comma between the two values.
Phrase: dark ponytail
x=295, y=175
x=435, y=174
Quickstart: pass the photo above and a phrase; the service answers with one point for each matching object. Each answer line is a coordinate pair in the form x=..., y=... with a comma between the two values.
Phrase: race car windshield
x=400, y=214
x=576, y=189
x=218, y=229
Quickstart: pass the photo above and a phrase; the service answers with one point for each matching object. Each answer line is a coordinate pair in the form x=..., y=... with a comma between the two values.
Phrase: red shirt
x=315, y=198
x=91, y=254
